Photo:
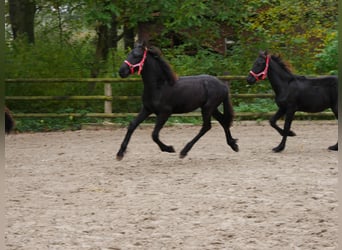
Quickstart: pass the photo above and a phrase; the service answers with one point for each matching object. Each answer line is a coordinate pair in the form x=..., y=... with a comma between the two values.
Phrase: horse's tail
x=228, y=111
x=9, y=121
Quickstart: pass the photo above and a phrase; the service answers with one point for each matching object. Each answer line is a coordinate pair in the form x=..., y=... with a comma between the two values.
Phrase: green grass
x=256, y=106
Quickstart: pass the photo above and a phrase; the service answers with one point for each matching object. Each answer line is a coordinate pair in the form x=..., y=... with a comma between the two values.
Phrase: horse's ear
x=145, y=44
x=261, y=53
x=155, y=51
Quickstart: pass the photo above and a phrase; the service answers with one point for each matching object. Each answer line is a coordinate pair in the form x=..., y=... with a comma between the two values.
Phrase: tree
x=22, y=13
x=298, y=29
x=175, y=22
x=104, y=15
x=91, y=29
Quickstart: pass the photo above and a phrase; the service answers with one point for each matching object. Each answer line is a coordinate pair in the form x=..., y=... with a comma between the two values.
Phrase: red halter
x=263, y=74
x=140, y=64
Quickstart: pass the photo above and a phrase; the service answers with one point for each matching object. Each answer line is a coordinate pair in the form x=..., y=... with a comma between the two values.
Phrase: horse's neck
x=279, y=78
x=151, y=74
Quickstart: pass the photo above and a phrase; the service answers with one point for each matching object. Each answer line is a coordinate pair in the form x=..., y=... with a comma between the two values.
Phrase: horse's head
x=260, y=68
x=134, y=62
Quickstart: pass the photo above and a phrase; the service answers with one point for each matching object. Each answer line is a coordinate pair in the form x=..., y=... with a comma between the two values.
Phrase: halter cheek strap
x=263, y=74
x=140, y=64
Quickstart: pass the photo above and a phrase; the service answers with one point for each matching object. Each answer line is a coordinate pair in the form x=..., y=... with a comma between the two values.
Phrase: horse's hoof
x=235, y=147
x=334, y=148
x=291, y=133
x=183, y=153
x=182, y=156
x=119, y=157
x=278, y=149
x=171, y=149
x=168, y=149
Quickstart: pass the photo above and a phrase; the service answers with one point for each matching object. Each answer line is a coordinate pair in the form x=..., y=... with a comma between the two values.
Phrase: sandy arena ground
x=65, y=190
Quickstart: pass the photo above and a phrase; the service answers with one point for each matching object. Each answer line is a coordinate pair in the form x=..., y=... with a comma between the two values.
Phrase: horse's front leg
x=273, y=122
x=160, y=122
x=288, y=120
x=132, y=126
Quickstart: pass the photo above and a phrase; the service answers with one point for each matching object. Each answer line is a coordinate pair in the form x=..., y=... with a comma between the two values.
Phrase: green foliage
x=204, y=62
x=257, y=106
x=293, y=28
x=303, y=32
x=101, y=11
x=65, y=32
x=327, y=59
x=45, y=59
x=52, y=124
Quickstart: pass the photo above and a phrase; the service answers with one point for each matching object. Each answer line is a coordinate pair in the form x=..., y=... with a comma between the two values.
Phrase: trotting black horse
x=164, y=94
x=9, y=121
x=294, y=93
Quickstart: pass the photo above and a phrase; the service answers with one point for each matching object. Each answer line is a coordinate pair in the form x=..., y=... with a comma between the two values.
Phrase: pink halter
x=140, y=64
x=263, y=74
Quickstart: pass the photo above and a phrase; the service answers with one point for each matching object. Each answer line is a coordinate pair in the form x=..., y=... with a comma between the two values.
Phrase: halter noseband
x=140, y=64
x=263, y=74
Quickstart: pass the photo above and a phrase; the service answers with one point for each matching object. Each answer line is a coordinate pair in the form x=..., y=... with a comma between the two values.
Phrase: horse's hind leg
x=335, y=111
x=287, y=126
x=273, y=122
x=230, y=140
x=206, y=126
x=132, y=126
x=161, y=120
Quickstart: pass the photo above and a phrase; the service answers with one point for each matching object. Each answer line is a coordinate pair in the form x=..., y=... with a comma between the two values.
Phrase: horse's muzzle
x=251, y=79
x=124, y=71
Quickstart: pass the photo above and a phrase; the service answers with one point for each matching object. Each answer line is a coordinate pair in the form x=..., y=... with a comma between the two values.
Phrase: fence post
x=108, y=103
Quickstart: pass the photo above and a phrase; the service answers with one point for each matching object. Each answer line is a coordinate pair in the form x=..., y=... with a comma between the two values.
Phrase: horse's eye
x=260, y=62
x=137, y=53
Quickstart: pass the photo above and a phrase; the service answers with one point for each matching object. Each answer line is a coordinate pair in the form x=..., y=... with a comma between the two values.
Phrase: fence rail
x=108, y=98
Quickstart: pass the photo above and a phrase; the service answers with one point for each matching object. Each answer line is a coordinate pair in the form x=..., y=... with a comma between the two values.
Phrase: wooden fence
x=108, y=97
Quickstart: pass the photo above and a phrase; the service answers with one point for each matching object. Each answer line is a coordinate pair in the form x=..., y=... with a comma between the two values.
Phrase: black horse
x=294, y=93
x=164, y=94
x=9, y=121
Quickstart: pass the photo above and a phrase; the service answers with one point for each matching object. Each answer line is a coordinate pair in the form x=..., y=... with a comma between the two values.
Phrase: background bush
x=66, y=34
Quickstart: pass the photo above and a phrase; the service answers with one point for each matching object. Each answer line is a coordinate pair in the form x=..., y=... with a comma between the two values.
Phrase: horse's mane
x=284, y=65
x=166, y=67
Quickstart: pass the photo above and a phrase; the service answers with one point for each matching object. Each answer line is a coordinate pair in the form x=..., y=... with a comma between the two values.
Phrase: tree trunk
x=102, y=47
x=22, y=13
x=101, y=53
x=150, y=31
x=128, y=38
x=107, y=37
x=113, y=33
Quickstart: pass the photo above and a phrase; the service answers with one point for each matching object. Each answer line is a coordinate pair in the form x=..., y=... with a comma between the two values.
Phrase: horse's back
x=192, y=92
x=315, y=94
x=322, y=81
x=209, y=81
x=197, y=78
x=211, y=85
